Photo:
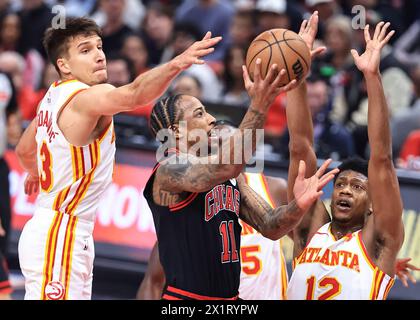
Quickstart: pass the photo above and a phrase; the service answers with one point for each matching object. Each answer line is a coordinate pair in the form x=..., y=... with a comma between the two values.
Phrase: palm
x=369, y=61
x=307, y=190
x=307, y=32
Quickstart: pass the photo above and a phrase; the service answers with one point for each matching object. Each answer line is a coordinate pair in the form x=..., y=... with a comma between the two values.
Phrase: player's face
x=350, y=202
x=86, y=60
x=198, y=121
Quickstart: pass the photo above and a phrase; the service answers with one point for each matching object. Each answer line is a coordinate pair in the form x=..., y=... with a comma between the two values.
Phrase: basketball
x=282, y=47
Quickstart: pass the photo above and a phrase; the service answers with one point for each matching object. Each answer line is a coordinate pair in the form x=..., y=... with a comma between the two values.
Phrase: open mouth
x=343, y=205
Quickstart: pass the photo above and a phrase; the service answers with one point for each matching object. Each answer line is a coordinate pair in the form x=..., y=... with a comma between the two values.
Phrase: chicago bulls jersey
x=337, y=269
x=263, y=273
x=199, y=242
x=72, y=178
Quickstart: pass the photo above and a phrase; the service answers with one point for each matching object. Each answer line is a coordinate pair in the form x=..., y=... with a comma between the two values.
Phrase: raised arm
x=154, y=279
x=383, y=183
x=194, y=174
x=274, y=223
x=299, y=123
x=26, y=151
x=146, y=88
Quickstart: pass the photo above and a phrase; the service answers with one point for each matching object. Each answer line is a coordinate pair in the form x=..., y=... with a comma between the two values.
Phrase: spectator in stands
x=120, y=70
x=30, y=98
x=158, y=25
x=234, y=92
x=272, y=14
x=242, y=30
x=326, y=9
x=331, y=139
x=209, y=15
x=9, y=32
x=135, y=49
x=184, y=35
x=187, y=84
x=114, y=30
x=404, y=124
x=77, y=8
x=350, y=105
x=36, y=17
x=407, y=48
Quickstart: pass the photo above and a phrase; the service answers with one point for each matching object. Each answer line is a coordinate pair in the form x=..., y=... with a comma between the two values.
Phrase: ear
x=175, y=130
x=63, y=66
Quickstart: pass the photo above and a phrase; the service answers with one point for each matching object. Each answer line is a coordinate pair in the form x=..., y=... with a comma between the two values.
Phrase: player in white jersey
x=263, y=271
x=68, y=151
x=354, y=255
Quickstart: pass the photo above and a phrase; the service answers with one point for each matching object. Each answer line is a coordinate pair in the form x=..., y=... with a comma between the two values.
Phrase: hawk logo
x=54, y=290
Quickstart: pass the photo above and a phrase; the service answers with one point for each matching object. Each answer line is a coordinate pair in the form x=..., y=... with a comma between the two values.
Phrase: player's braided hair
x=165, y=114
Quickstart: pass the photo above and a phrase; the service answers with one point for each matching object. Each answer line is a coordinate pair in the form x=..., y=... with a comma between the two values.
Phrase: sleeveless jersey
x=72, y=178
x=199, y=242
x=337, y=269
x=264, y=272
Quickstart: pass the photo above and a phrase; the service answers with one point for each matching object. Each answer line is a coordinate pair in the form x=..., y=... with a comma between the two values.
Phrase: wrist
x=175, y=66
x=372, y=74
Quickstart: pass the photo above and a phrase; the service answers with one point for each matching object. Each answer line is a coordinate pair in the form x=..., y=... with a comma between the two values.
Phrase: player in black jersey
x=196, y=202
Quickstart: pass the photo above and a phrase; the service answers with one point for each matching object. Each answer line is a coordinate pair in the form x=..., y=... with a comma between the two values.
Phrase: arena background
x=124, y=231
x=146, y=33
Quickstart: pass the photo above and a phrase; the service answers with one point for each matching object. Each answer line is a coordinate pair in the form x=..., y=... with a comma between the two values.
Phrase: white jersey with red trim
x=337, y=269
x=72, y=178
x=56, y=247
x=263, y=272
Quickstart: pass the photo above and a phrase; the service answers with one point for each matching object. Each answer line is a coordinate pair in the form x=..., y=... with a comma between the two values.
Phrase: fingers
x=389, y=35
x=318, y=51
x=204, y=52
x=378, y=30
x=403, y=279
x=367, y=34
x=207, y=35
x=279, y=78
x=411, y=277
x=313, y=23
x=355, y=54
x=290, y=86
x=383, y=31
x=301, y=170
x=206, y=43
x=257, y=70
x=36, y=186
x=323, y=167
x=272, y=74
x=247, y=80
x=303, y=26
x=412, y=267
x=325, y=180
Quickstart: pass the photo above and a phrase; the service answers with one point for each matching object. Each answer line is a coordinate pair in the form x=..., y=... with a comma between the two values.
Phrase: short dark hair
x=355, y=164
x=56, y=40
x=165, y=113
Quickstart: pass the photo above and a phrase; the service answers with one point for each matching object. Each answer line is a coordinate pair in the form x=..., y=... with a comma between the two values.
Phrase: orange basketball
x=282, y=47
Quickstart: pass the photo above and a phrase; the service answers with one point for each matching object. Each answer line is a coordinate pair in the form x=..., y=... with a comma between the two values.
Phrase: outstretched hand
x=368, y=62
x=196, y=51
x=309, y=190
x=263, y=91
x=307, y=32
x=402, y=270
x=31, y=184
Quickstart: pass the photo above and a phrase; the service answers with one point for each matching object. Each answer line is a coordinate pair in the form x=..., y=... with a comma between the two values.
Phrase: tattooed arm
x=274, y=223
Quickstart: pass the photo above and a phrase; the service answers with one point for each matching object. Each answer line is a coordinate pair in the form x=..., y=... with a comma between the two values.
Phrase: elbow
x=298, y=147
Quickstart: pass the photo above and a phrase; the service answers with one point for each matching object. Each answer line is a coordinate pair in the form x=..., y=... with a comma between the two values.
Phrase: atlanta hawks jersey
x=199, y=242
x=72, y=178
x=263, y=273
x=337, y=269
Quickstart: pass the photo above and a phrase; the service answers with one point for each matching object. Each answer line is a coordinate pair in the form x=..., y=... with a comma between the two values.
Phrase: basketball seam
x=269, y=60
x=261, y=50
x=285, y=40
x=282, y=55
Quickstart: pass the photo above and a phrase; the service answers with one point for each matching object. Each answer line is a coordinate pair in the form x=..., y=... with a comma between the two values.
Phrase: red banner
x=123, y=216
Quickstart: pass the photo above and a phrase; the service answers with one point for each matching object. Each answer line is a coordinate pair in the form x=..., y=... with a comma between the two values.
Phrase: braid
x=164, y=114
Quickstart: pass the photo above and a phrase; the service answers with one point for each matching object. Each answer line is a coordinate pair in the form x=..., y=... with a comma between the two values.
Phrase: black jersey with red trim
x=199, y=242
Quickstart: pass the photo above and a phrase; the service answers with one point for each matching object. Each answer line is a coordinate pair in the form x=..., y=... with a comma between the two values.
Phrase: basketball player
x=263, y=264
x=196, y=202
x=353, y=255
x=68, y=151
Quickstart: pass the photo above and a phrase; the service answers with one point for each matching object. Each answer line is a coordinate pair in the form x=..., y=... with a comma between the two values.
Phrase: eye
x=199, y=114
x=357, y=187
x=339, y=184
x=84, y=51
x=99, y=47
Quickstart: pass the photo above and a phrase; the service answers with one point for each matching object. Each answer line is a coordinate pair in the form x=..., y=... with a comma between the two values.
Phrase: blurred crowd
x=140, y=34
